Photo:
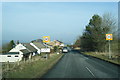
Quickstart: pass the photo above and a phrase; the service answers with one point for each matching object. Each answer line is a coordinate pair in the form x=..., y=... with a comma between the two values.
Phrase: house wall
x=38, y=50
x=57, y=43
x=45, y=49
x=11, y=58
x=62, y=45
x=30, y=56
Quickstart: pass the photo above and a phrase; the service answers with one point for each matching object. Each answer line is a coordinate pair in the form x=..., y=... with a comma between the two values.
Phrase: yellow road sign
x=109, y=37
x=46, y=38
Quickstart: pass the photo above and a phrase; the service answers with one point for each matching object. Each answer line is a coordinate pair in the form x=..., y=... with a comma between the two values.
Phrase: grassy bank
x=34, y=69
x=103, y=56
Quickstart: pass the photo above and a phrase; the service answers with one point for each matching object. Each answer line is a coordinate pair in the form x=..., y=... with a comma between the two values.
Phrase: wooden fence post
x=8, y=65
x=24, y=60
x=18, y=63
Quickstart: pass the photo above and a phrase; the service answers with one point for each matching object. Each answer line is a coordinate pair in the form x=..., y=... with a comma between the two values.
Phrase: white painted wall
x=45, y=49
x=62, y=45
x=5, y=58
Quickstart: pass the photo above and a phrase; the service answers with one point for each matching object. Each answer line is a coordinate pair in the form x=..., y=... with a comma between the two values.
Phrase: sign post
x=109, y=37
x=46, y=39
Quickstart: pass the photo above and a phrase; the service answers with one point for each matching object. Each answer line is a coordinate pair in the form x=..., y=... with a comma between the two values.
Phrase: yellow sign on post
x=109, y=37
x=46, y=39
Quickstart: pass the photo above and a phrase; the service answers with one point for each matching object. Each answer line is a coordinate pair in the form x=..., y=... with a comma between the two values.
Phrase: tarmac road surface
x=76, y=65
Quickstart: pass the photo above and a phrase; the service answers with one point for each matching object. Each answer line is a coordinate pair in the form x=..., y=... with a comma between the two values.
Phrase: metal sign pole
x=109, y=50
x=46, y=54
x=45, y=40
x=109, y=37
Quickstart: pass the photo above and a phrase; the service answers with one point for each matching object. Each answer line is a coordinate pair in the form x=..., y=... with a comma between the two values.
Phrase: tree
x=109, y=24
x=55, y=48
x=86, y=42
x=18, y=42
x=77, y=42
x=10, y=45
x=5, y=48
x=93, y=38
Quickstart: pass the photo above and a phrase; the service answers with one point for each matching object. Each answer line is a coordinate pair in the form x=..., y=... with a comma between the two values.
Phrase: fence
x=12, y=66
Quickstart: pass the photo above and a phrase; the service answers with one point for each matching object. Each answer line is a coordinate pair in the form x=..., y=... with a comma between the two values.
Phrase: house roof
x=25, y=51
x=29, y=47
x=59, y=41
x=38, y=40
x=54, y=43
x=51, y=43
x=39, y=45
x=10, y=53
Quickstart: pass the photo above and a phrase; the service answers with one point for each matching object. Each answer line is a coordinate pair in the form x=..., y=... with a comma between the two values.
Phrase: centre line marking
x=90, y=71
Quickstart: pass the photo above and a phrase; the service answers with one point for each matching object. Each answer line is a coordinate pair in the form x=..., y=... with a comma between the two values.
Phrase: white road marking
x=90, y=71
x=86, y=58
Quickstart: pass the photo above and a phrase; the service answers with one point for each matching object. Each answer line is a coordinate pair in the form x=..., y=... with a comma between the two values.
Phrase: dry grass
x=34, y=68
x=105, y=56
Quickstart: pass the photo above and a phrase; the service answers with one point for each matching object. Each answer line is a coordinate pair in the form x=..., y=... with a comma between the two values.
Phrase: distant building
x=62, y=45
x=38, y=40
x=56, y=43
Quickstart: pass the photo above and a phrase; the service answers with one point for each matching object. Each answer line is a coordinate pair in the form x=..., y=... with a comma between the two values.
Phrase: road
x=76, y=65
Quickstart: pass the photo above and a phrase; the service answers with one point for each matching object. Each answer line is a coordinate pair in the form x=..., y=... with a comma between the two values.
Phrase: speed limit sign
x=46, y=39
x=109, y=37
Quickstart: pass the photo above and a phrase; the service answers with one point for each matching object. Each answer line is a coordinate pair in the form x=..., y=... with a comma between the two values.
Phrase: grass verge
x=35, y=69
x=103, y=57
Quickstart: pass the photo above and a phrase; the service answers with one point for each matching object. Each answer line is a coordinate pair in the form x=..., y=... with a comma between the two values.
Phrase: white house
x=13, y=55
x=24, y=46
x=19, y=52
x=62, y=45
x=24, y=51
x=40, y=47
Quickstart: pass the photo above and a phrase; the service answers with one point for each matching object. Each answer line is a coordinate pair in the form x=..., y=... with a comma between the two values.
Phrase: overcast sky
x=65, y=21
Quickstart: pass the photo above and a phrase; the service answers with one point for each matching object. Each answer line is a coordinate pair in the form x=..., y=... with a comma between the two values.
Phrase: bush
x=55, y=48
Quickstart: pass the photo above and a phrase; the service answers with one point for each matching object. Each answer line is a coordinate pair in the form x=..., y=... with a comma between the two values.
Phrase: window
x=8, y=56
x=16, y=56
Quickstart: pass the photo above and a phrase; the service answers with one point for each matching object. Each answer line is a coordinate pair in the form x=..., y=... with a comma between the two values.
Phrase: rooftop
x=25, y=51
x=39, y=44
x=10, y=53
x=29, y=47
